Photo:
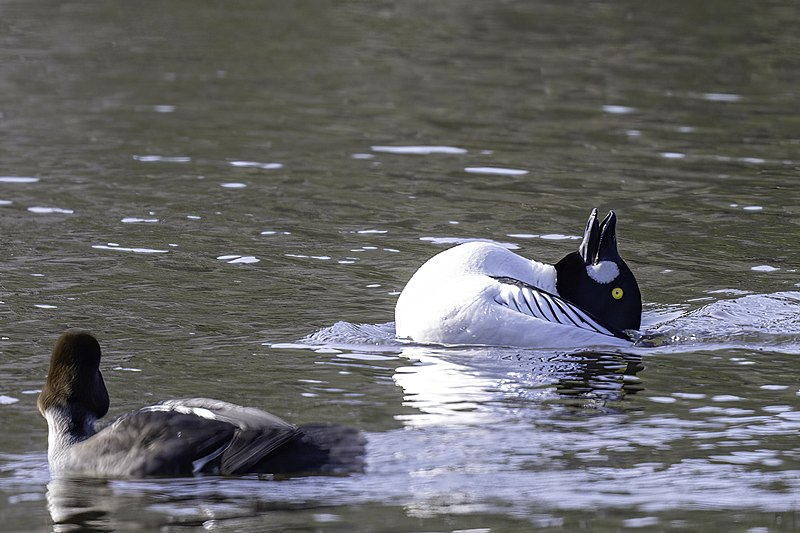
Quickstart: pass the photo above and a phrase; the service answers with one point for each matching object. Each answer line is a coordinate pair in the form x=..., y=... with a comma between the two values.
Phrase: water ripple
x=50, y=210
x=256, y=164
x=755, y=320
x=162, y=159
x=497, y=171
x=135, y=220
x=17, y=179
x=118, y=248
x=461, y=240
x=419, y=150
x=239, y=259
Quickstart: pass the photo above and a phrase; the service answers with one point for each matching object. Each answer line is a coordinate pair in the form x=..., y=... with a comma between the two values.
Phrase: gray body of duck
x=180, y=437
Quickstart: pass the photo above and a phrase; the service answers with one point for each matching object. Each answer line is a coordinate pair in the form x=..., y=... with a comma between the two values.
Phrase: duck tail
x=342, y=449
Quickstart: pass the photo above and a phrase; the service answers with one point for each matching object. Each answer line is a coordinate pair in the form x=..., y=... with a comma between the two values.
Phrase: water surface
x=232, y=195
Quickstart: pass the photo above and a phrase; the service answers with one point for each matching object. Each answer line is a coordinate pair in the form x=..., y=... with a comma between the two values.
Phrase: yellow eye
x=616, y=293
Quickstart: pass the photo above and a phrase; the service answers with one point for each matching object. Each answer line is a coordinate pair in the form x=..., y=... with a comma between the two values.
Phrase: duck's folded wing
x=532, y=301
x=157, y=443
x=258, y=433
x=249, y=448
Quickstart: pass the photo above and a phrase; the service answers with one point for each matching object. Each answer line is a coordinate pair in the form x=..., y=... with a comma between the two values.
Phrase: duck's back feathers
x=245, y=418
x=451, y=298
x=256, y=434
x=149, y=443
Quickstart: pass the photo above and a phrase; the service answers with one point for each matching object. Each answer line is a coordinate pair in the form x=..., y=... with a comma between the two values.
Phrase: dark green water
x=159, y=137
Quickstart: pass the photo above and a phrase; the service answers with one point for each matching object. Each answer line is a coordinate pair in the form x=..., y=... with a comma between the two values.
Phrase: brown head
x=74, y=377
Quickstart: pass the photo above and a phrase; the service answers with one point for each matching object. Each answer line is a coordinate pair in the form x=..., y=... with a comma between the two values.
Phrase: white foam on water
x=722, y=97
x=256, y=164
x=235, y=259
x=17, y=179
x=497, y=171
x=244, y=260
x=303, y=256
x=134, y=220
x=162, y=159
x=50, y=210
x=117, y=247
x=419, y=150
x=764, y=268
x=618, y=109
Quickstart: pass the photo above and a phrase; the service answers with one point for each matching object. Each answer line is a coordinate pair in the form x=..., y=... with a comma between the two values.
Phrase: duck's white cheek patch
x=603, y=272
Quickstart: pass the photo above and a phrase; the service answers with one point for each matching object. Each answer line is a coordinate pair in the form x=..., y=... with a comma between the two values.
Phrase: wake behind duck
x=482, y=293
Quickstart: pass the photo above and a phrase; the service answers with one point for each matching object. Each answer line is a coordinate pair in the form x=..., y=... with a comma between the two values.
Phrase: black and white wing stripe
x=529, y=300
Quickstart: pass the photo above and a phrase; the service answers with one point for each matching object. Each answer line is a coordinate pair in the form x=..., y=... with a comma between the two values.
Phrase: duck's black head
x=596, y=279
x=74, y=378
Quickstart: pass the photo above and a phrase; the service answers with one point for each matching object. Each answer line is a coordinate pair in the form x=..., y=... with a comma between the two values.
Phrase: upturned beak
x=600, y=239
x=591, y=239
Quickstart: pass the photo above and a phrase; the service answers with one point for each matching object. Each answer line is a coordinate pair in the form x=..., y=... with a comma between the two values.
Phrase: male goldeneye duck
x=482, y=293
x=176, y=437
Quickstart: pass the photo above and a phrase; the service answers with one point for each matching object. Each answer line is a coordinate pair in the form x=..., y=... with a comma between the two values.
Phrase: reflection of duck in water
x=473, y=386
x=482, y=293
x=83, y=502
x=442, y=391
x=176, y=437
x=600, y=376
